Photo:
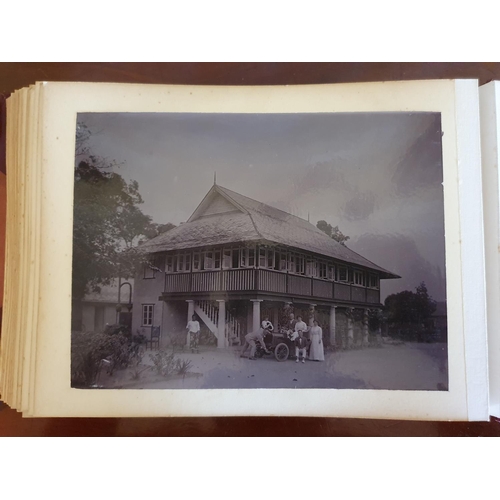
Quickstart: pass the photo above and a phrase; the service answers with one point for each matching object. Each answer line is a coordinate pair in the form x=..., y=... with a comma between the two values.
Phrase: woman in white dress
x=316, y=351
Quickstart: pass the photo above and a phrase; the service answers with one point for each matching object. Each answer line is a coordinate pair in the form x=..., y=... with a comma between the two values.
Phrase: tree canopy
x=410, y=308
x=333, y=232
x=108, y=223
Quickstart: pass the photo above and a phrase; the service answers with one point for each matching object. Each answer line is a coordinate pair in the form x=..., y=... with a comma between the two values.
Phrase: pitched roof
x=252, y=220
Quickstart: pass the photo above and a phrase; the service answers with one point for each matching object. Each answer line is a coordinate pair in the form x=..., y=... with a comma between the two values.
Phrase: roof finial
x=215, y=178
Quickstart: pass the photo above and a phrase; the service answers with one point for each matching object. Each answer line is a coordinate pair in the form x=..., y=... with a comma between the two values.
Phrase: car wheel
x=281, y=352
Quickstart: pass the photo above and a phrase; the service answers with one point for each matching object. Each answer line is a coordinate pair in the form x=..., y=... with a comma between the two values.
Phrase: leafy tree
x=333, y=232
x=408, y=311
x=108, y=222
x=156, y=229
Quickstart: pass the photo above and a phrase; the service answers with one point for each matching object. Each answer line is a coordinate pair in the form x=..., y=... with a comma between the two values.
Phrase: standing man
x=193, y=328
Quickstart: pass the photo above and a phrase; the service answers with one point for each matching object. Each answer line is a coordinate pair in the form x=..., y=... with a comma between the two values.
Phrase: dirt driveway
x=410, y=366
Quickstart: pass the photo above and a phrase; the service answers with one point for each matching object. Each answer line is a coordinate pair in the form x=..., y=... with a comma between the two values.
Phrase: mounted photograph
x=259, y=251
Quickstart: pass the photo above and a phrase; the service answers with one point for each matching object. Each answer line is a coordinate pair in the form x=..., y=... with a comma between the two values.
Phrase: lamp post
x=119, y=307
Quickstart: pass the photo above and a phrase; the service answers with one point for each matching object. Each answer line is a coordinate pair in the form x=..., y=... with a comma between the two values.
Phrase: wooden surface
x=14, y=76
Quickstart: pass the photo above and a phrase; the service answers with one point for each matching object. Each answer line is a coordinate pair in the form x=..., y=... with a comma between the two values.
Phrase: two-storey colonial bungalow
x=237, y=260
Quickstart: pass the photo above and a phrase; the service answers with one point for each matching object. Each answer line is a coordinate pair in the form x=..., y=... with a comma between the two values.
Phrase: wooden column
x=379, y=329
x=365, y=328
x=221, y=327
x=189, y=317
x=276, y=315
x=256, y=314
x=350, y=329
x=311, y=315
x=333, y=325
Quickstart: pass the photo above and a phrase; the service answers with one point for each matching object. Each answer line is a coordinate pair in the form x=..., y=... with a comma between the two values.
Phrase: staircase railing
x=211, y=310
x=233, y=328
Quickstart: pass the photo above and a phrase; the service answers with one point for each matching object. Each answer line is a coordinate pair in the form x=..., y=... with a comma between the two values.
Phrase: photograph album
x=315, y=250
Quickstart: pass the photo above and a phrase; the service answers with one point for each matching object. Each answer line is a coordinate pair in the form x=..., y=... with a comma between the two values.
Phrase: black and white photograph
x=259, y=250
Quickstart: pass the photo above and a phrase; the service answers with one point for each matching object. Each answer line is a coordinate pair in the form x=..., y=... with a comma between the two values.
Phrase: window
x=342, y=273
x=183, y=262
x=227, y=260
x=281, y=262
x=236, y=258
x=208, y=260
x=262, y=257
x=331, y=272
x=270, y=258
x=266, y=257
x=230, y=258
x=147, y=314
x=212, y=259
x=299, y=264
x=171, y=263
x=359, y=278
x=197, y=261
x=373, y=281
x=311, y=267
x=251, y=257
x=247, y=257
x=322, y=270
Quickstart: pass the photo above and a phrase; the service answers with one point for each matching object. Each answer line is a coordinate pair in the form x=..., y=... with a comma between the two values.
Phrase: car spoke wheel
x=281, y=352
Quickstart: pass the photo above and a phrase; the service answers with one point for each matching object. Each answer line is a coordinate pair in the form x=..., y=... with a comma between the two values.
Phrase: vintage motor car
x=281, y=344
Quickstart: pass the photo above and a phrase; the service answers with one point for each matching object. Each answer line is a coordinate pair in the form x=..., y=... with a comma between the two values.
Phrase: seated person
x=300, y=346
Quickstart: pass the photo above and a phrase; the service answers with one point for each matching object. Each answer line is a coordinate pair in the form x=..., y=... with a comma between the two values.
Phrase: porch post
x=189, y=318
x=256, y=314
x=311, y=315
x=276, y=316
x=379, y=329
x=350, y=329
x=221, y=327
x=365, y=328
x=332, y=324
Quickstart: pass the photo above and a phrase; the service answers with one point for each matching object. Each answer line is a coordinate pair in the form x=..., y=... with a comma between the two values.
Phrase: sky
x=378, y=176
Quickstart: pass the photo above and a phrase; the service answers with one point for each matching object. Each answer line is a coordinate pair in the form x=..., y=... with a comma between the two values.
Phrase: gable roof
x=251, y=220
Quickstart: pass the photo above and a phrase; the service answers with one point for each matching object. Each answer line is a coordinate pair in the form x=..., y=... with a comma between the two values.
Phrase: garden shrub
x=116, y=345
x=87, y=351
x=164, y=362
x=182, y=366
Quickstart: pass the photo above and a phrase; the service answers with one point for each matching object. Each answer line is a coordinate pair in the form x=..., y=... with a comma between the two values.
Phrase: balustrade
x=266, y=280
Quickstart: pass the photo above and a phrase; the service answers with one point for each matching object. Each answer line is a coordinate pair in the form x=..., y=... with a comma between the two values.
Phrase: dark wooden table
x=14, y=76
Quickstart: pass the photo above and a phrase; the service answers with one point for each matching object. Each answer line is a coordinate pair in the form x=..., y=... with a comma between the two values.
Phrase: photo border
x=457, y=103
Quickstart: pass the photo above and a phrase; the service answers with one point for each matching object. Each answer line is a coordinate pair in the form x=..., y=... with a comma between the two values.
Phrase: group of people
x=296, y=330
x=314, y=344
